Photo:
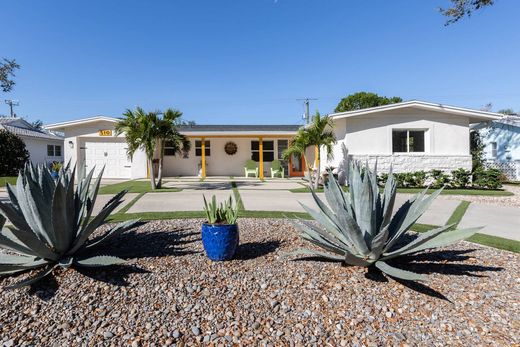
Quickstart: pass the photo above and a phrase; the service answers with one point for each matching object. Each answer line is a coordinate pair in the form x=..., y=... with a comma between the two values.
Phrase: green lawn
x=134, y=187
x=10, y=180
x=482, y=192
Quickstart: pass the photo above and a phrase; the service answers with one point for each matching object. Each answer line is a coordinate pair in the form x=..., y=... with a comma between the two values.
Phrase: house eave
x=474, y=116
x=63, y=125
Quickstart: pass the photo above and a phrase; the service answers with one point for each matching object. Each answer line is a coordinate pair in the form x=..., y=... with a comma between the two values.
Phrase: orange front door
x=296, y=166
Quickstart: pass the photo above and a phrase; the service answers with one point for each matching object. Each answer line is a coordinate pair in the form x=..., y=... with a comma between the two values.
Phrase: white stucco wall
x=370, y=136
x=79, y=134
x=37, y=148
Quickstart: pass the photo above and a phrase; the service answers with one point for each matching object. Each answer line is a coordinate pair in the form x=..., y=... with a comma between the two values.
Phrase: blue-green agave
x=358, y=228
x=52, y=222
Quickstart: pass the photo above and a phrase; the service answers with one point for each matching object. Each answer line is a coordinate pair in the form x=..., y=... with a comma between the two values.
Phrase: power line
x=12, y=103
x=306, y=104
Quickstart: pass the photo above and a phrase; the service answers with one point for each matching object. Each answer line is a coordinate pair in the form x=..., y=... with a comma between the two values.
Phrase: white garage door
x=111, y=155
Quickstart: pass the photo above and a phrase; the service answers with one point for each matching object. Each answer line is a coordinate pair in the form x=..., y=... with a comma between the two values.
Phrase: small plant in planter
x=55, y=169
x=220, y=233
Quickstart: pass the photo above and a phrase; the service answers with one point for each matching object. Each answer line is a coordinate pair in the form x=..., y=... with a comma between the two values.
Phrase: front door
x=296, y=166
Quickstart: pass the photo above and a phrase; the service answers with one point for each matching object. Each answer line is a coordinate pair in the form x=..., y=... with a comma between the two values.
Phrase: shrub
x=52, y=222
x=13, y=153
x=360, y=229
x=461, y=178
x=439, y=179
x=487, y=178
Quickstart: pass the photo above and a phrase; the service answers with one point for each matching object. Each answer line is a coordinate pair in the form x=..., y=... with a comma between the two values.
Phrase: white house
x=43, y=146
x=411, y=135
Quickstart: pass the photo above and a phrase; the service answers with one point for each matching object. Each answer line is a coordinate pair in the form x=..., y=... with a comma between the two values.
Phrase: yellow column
x=316, y=156
x=203, y=149
x=261, y=155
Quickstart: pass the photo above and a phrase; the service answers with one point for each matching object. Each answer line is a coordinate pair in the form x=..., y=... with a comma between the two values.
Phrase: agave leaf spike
x=48, y=269
x=399, y=273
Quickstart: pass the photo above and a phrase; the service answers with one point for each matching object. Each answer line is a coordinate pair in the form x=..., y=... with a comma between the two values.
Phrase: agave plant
x=223, y=213
x=52, y=222
x=358, y=228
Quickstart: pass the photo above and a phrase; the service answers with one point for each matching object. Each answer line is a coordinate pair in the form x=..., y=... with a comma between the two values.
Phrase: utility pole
x=306, y=116
x=12, y=103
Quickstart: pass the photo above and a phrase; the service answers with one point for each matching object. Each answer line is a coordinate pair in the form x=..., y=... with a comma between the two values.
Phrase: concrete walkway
x=274, y=195
x=497, y=220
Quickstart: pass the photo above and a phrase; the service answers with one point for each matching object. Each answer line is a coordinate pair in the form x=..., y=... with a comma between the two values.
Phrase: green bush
x=487, y=178
x=440, y=179
x=461, y=178
x=405, y=179
x=13, y=154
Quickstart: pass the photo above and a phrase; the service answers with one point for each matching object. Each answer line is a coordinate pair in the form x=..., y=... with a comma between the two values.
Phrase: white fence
x=511, y=169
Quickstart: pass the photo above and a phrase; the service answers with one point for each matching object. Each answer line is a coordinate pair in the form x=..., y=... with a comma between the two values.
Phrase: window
x=268, y=150
x=407, y=141
x=282, y=146
x=53, y=151
x=494, y=149
x=168, y=148
x=198, y=148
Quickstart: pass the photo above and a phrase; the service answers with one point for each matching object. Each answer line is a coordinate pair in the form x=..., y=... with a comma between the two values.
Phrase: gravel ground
x=512, y=201
x=173, y=295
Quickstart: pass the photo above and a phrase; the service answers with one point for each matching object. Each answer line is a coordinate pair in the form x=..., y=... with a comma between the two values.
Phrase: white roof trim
x=81, y=121
x=476, y=115
x=241, y=133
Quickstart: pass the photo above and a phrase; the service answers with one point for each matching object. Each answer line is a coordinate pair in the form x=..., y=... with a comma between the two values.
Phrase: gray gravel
x=262, y=298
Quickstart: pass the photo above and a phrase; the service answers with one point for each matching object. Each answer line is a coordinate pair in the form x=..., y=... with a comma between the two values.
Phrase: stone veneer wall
x=415, y=162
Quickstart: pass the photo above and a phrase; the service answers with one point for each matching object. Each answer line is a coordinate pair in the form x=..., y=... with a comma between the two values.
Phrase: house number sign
x=105, y=132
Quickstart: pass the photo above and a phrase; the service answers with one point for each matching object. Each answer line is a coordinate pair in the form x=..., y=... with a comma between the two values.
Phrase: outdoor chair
x=277, y=169
x=251, y=168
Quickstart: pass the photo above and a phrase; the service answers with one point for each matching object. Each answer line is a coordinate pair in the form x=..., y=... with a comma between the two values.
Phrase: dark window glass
x=416, y=141
x=399, y=141
x=57, y=151
x=50, y=150
x=268, y=149
x=408, y=141
x=198, y=148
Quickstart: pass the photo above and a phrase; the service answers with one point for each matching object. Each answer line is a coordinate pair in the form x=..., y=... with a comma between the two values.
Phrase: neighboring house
x=43, y=145
x=502, y=144
x=410, y=136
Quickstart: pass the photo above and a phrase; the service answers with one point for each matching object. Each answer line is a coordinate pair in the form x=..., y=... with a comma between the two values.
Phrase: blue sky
x=248, y=61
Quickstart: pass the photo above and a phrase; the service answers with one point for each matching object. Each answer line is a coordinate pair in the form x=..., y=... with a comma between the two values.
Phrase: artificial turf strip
x=134, y=187
x=457, y=215
x=10, y=180
x=477, y=192
x=131, y=203
x=496, y=242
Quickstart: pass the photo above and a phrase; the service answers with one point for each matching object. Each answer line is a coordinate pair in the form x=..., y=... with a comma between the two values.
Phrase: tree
x=461, y=8
x=476, y=149
x=7, y=68
x=37, y=124
x=361, y=100
x=13, y=153
x=318, y=134
x=149, y=132
x=507, y=111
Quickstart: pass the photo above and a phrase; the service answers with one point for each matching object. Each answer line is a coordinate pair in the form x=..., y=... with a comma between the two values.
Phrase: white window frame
x=494, y=149
x=408, y=139
x=52, y=149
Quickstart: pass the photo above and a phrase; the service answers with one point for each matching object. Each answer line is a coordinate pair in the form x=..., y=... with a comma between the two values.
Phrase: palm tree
x=318, y=134
x=149, y=131
x=168, y=133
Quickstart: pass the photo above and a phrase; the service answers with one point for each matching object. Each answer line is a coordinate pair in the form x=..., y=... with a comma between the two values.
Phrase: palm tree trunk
x=152, y=173
x=161, y=157
x=318, y=172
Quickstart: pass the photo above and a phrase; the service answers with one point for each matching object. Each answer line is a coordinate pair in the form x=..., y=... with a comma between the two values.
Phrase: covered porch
x=225, y=150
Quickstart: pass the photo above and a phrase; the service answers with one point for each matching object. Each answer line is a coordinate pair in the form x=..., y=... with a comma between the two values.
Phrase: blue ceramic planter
x=220, y=240
x=55, y=175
